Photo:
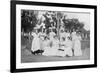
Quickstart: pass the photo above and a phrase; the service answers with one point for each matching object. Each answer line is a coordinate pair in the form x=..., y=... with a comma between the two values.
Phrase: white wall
x=5, y=36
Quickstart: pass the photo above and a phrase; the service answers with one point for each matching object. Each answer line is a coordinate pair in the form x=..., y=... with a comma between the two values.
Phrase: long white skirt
x=35, y=44
x=77, y=48
x=50, y=51
x=65, y=51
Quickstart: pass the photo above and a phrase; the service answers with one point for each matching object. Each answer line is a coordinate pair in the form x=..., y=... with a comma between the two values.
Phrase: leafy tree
x=47, y=21
x=71, y=24
x=50, y=19
x=28, y=20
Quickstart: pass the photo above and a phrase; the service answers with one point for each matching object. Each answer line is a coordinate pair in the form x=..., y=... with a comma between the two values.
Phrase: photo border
x=13, y=35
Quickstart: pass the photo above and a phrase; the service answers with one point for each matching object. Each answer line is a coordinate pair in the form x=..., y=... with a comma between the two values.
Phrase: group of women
x=66, y=44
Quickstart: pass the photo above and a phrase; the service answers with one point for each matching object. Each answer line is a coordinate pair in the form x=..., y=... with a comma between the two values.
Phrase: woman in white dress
x=36, y=41
x=68, y=50
x=62, y=47
x=62, y=43
x=46, y=47
x=69, y=43
x=41, y=38
x=51, y=35
x=62, y=34
x=67, y=34
x=55, y=46
x=51, y=51
x=65, y=46
x=76, y=38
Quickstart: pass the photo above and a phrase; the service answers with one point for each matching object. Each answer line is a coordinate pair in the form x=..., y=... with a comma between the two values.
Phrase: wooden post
x=58, y=24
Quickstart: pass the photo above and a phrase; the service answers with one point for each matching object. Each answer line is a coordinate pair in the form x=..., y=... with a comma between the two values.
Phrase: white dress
x=46, y=44
x=68, y=50
x=41, y=38
x=66, y=46
x=61, y=51
x=35, y=42
x=51, y=36
x=77, y=45
x=62, y=35
x=55, y=47
x=73, y=35
x=67, y=35
x=46, y=47
x=52, y=51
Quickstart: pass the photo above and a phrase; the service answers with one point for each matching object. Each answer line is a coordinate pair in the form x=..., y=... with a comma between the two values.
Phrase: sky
x=83, y=17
